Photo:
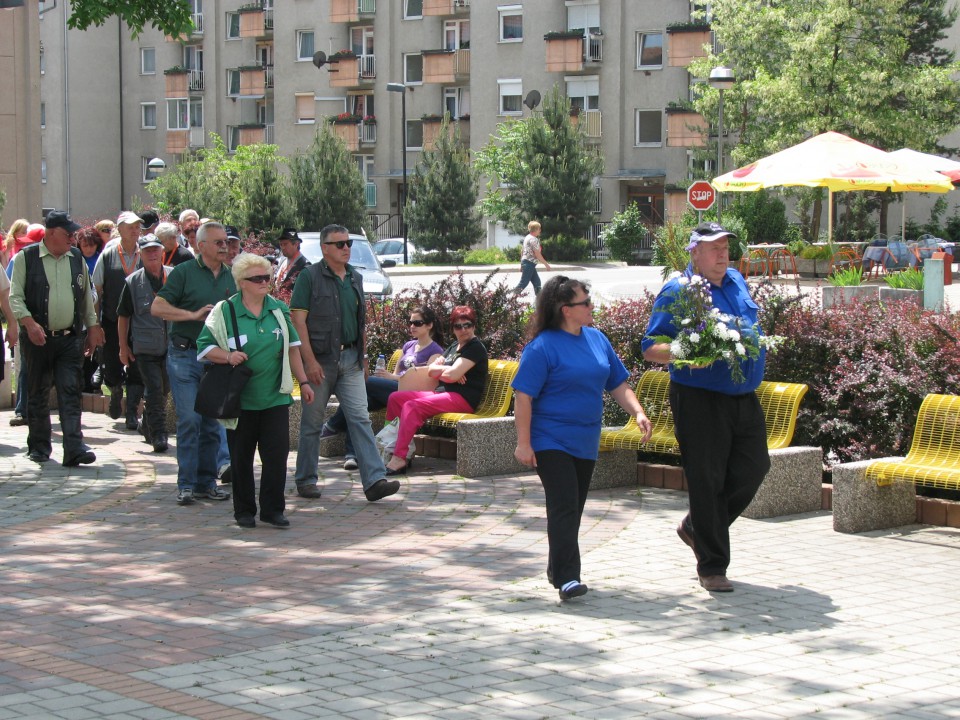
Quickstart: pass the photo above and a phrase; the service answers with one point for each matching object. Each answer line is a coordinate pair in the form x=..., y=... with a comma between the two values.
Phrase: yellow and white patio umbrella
x=836, y=162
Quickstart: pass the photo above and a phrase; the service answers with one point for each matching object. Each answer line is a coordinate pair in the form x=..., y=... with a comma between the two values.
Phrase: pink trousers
x=415, y=407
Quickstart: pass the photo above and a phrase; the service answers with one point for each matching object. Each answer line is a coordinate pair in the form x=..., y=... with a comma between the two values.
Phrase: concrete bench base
x=485, y=447
x=860, y=505
x=792, y=486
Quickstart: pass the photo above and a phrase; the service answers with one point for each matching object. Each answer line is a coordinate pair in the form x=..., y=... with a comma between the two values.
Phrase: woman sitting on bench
x=462, y=372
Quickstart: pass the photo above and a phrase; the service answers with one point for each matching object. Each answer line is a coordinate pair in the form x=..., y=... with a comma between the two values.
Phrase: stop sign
x=701, y=195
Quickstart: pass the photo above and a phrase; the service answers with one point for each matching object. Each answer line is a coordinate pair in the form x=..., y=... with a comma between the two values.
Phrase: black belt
x=182, y=343
x=59, y=333
x=348, y=346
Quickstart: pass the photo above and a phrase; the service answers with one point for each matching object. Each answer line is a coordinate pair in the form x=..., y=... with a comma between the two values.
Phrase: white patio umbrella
x=934, y=163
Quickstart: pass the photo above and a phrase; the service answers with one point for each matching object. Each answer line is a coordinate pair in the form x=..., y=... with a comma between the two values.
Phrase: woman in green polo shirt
x=270, y=347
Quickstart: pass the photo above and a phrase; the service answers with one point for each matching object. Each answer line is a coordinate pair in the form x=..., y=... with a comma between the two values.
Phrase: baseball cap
x=60, y=219
x=289, y=234
x=148, y=241
x=149, y=217
x=708, y=232
x=232, y=233
x=127, y=217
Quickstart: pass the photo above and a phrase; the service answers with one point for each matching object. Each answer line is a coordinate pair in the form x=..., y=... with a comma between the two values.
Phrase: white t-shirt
x=530, y=245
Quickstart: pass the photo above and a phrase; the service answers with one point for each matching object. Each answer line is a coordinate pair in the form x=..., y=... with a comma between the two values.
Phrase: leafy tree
x=3, y=202
x=763, y=214
x=442, y=211
x=869, y=70
x=326, y=186
x=624, y=233
x=547, y=170
x=171, y=17
x=264, y=194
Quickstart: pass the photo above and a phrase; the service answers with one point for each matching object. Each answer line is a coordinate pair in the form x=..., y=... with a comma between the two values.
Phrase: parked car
x=375, y=281
x=392, y=249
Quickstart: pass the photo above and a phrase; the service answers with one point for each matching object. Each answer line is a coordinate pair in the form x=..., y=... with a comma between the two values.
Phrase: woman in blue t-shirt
x=559, y=387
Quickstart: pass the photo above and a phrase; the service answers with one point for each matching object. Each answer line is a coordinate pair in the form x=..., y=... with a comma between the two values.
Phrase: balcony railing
x=197, y=137
x=591, y=123
x=370, y=192
x=197, y=20
x=351, y=10
x=195, y=79
x=268, y=76
x=593, y=48
x=368, y=67
x=368, y=134
x=366, y=7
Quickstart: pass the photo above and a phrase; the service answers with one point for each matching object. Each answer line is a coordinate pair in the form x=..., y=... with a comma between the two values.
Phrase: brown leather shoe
x=716, y=583
x=687, y=537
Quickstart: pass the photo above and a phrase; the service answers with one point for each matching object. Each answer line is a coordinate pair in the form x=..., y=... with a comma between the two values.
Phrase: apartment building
x=247, y=72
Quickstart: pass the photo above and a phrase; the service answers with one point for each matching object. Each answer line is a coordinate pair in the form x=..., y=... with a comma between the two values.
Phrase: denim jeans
x=378, y=392
x=529, y=274
x=346, y=380
x=198, y=437
x=22, y=380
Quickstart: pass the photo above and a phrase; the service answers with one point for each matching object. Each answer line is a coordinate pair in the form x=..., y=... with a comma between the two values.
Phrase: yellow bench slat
x=496, y=396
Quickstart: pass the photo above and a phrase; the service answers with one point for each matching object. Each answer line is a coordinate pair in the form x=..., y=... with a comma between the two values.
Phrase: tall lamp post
x=402, y=89
x=722, y=79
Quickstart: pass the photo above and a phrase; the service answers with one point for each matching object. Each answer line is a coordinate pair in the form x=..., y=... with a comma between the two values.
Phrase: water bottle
x=381, y=364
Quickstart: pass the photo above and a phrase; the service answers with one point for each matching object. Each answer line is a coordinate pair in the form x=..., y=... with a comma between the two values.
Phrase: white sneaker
x=350, y=464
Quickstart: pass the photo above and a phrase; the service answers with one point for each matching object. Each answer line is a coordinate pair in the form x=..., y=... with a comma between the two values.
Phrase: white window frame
x=510, y=84
x=43, y=170
x=406, y=135
x=636, y=128
x=300, y=34
x=191, y=102
x=461, y=101
x=406, y=69
x=459, y=29
x=43, y=61
x=505, y=11
x=233, y=73
x=584, y=84
x=143, y=116
x=43, y=115
x=296, y=105
x=406, y=12
x=231, y=18
x=143, y=56
x=641, y=34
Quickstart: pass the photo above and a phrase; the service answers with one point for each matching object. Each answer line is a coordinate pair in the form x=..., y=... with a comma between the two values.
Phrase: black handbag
x=222, y=385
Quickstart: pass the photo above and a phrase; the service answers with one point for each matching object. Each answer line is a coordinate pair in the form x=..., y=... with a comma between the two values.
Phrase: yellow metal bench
x=496, y=396
x=934, y=456
x=780, y=402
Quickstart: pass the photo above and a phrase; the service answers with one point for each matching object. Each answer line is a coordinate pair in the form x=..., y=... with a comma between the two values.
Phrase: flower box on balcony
x=350, y=10
x=345, y=119
x=253, y=81
x=348, y=132
x=686, y=43
x=686, y=128
x=176, y=81
x=252, y=23
x=445, y=66
x=564, y=51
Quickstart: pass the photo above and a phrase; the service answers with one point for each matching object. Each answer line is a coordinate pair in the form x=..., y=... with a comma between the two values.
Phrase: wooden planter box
x=253, y=82
x=347, y=73
x=177, y=85
x=684, y=47
x=177, y=141
x=565, y=54
x=686, y=129
x=349, y=134
x=252, y=24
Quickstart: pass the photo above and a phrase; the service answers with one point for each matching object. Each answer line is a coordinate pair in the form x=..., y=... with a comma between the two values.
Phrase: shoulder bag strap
x=236, y=329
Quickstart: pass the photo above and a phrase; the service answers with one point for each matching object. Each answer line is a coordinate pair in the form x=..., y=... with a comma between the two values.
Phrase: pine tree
x=326, y=185
x=441, y=213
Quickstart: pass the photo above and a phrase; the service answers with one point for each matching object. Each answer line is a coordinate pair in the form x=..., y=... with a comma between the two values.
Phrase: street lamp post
x=402, y=89
x=722, y=79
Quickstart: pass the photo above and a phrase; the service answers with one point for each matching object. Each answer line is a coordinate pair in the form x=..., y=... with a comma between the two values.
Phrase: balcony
x=433, y=125
x=254, y=134
x=177, y=82
x=687, y=42
x=346, y=128
x=442, y=8
x=197, y=20
x=177, y=141
x=573, y=51
x=590, y=119
x=253, y=81
x=350, y=71
x=347, y=11
x=686, y=128
x=368, y=133
x=255, y=22
x=446, y=66
x=195, y=80
x=198, y=138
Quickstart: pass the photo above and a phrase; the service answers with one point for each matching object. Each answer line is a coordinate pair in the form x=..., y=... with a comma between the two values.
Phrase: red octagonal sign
x=701, y=195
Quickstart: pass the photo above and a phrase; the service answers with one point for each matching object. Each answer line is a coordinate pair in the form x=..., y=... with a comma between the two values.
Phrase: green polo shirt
x=262, y=341
x=60, y=308
x=349, y=302
x=190, y=286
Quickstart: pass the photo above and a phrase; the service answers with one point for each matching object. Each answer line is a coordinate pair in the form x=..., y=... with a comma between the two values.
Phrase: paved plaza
x=118, y=604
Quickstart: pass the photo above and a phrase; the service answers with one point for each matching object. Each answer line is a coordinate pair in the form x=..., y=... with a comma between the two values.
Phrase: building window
x=511, y=97
x=413, y=69
x=649, y=128
x=456, y=34
x=511, y=23
x=184, y=113
x=43, y=115
x=148, y=116
x=456, y=101
x=412, y=9
x=43, y=170
x=414, y=134
x=43, y=61
x=146, y=173
x=649, y=50
x=584, y=92
x=305, y=45
x=306, y=108
x=233, y=138
x=233, y=83
x=233, y=26
x=148, y=61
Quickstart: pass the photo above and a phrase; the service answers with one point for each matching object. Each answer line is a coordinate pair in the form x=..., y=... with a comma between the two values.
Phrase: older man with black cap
x=293, y=261
x=718, y=421
x=52, y=300
x=234, y=244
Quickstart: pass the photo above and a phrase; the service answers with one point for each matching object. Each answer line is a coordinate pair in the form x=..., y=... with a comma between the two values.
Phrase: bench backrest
x=496, y=396
x=780, y=402
x=934, y=456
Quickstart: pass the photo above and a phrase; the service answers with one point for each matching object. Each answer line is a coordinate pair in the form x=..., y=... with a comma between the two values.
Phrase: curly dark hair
x=556, y=292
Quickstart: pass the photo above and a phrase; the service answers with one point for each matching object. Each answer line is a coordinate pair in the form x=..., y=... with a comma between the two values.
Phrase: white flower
x=715, y=312
x=694, y=338
x=733, y=335
x=677, y=350
x=685, y=321
x=741, y=350
x=682, y=281
x=696, y=279
x=720, y=331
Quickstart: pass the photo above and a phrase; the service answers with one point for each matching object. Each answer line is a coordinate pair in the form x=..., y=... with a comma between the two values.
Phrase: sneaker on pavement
x=350, y=464
x=185, y=496
x=327, y=432
x=17, y=421
x=212, y=493
x=381, y=489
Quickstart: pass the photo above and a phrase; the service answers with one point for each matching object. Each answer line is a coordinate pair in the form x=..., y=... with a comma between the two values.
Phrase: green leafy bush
x=513, y=253
x=625, y=233
x=846, y=277
x=763, y=214
x=909, y=279
x=486, y=256
x=564, y=248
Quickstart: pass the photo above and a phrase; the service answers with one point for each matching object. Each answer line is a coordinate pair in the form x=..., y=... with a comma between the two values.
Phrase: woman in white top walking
x=529, y=257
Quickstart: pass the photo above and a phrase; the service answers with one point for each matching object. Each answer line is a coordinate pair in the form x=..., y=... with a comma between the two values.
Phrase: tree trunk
x=885, y=200
x=815, y=219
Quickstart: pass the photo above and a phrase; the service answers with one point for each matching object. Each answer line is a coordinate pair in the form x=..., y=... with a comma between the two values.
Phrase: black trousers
x=112, y=371
x=566, y=481
x=723, y=448
x=153, y=370
x=269, y=432
x=58, y=363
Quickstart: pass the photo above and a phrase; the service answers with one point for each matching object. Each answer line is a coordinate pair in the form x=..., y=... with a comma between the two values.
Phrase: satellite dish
x=319, y=58
x=532, y=99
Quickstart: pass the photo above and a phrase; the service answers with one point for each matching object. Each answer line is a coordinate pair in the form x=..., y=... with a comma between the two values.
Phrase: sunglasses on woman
x=258, y=279
x=417, y=323
x=462, y=326
x=341, y=244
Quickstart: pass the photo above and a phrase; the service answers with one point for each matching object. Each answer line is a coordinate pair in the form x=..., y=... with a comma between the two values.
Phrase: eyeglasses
x=341, y=244
x=417, y=323
x=218, y=243
x=462, y=326
x=585, y=303
x=258, y=279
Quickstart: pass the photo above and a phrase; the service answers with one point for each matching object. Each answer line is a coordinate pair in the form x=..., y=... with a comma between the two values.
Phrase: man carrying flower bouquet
x=704, y=327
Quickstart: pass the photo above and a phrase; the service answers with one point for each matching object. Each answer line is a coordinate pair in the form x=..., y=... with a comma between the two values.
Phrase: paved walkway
x=118, y=604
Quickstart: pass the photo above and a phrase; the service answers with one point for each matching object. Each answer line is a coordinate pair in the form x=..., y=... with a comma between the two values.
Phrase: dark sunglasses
x=341, y=244
x=417, y=323
x=462, y=326
x=585, y=303
x=258, y=279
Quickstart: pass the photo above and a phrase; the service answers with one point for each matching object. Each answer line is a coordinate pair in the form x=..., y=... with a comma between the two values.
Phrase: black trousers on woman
x=566, y=481
x=269, y=432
